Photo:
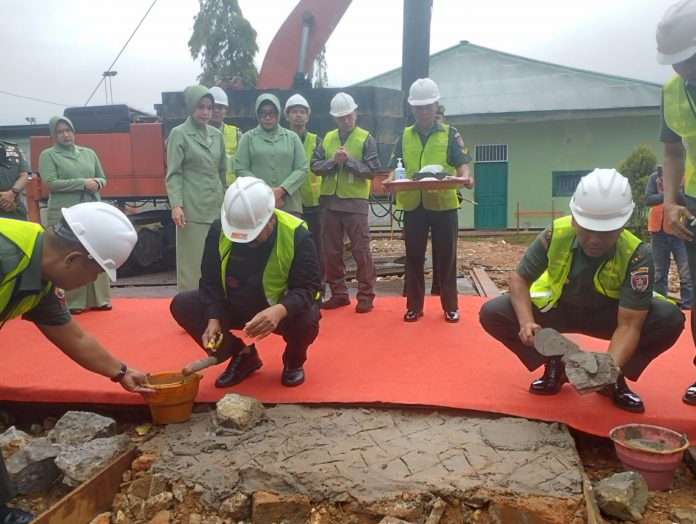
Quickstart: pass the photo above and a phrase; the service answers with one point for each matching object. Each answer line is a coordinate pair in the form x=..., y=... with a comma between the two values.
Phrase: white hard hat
x=423, y=92
x=219, y=96
x=676, y=33
x=297, y=100
x=602, y=201
x=104, y=231
x=248, y=206
x=342, y=104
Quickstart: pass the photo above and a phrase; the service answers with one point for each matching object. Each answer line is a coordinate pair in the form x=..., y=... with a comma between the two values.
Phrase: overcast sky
x=56, y=50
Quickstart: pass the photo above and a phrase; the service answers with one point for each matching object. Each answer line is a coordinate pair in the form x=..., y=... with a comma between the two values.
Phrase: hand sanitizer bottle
x=400, y=171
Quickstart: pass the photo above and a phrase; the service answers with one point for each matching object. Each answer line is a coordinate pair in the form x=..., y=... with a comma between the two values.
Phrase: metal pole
x=415, y=58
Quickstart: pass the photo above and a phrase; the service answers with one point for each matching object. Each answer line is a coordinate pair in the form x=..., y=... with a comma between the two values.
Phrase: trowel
x=218, y=355
x=587, y=371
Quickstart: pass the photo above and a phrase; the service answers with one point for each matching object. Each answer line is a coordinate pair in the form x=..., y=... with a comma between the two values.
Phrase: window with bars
x=565, y=182
x=492, y=153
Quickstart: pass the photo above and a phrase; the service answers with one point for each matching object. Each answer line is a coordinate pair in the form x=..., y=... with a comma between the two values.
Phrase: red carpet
x=374, y=358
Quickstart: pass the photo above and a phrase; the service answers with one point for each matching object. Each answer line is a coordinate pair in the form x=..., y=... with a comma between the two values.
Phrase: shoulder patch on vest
x=638, y=257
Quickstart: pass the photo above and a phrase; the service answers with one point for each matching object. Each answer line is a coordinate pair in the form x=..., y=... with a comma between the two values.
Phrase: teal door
x=491, y=195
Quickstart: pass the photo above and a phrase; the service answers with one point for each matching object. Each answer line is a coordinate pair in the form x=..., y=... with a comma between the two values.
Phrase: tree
x=321, y=79
x=224, y=40
x=638, y=167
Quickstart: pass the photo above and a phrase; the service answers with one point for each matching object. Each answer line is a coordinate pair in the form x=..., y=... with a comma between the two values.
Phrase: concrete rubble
x=78, y=446
x=623, y=495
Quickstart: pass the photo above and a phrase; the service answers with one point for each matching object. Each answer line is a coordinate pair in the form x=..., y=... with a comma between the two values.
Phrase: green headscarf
x=192, y=96
x=53, y=123
x=268, y=97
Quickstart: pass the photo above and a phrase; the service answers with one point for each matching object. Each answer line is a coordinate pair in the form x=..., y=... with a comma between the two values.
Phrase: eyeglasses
x=268, y=114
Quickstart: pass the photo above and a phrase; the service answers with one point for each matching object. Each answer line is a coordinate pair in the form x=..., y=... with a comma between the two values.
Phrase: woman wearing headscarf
x=73, y=174
x=196, y=168
x=275, y=155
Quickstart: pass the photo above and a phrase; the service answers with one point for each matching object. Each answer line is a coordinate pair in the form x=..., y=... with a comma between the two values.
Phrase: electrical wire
x=35, y=99
x=122, y=49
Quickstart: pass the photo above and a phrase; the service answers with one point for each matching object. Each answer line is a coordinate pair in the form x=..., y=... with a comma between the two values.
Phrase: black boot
x=622, y=396
x=239, y=368
x=552, y=380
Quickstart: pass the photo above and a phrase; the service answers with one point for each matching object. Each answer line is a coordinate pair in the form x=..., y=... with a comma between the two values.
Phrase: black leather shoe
x=412, y=315
x=105, y=307
x=77, y=311
x=622, y=396
x=690, y=395
x=452, y=316
x=239, y=368
x=336, y=302
x=292, y=377
x=552, y=380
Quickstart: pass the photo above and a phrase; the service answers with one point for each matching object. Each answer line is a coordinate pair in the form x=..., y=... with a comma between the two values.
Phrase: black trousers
x=298, y=331
x=312, y=215
x=661, y=329
x=443, y=229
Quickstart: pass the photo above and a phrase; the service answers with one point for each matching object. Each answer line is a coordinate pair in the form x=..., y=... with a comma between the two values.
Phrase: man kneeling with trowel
x=586, y=274
x=260, y=274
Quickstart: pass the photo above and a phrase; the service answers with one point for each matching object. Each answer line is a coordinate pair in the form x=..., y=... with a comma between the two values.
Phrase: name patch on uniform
x=640, y=279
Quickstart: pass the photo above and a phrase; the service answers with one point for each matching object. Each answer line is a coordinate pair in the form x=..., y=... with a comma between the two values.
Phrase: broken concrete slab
x=77, y=427
x=371, y=456
x=588, y=371
x=78, y=463
x=550, y=343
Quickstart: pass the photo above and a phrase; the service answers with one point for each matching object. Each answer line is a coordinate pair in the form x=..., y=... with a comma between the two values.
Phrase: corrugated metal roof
x=475, y=80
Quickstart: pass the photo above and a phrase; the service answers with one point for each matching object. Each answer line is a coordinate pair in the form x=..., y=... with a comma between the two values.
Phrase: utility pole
x=108, y=87
x=415, y=57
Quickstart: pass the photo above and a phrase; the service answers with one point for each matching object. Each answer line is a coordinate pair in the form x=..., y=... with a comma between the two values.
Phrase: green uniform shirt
x=51, y=311
x=579, y=290
x=64, y=170
x=12, y=164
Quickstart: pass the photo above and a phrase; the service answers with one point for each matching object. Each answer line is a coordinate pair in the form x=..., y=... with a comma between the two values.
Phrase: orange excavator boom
x=298, y=42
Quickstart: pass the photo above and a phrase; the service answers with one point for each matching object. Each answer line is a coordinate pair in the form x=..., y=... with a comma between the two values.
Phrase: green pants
x=190, y=241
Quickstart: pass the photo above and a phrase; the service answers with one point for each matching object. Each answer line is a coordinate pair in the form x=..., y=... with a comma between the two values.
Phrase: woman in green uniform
x=196, y=168
x=74, y=174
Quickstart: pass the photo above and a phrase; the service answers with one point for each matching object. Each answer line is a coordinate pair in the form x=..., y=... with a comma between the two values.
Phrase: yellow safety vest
x=344, y=184
x=24, y=236
x=417, y=156
x=229, y=135
x=679, y=115
x=310, y=189
x=547, y=289
x=277, y=271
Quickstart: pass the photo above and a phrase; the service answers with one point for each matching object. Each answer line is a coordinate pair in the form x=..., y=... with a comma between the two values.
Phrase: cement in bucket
x=172, y=400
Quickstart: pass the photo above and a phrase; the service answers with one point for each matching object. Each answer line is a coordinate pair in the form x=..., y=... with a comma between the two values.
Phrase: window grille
x=565, y=182
x=492, y=153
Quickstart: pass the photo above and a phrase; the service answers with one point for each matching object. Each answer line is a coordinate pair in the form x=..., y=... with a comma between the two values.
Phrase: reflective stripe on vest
x=23, y=235
x=608, y=279
x=343, y=184
x=417, y=156
x=229, y=134
x=277, y=271
x=680, y=118
x=310, y=189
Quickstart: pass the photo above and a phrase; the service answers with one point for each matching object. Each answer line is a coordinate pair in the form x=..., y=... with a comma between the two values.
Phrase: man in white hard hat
x=587, y=274
x=428, y=142
x=230, y=134
x=297, y=113
x=38, y=266
x=676, y=46
x=346, y=161
x=260, y=274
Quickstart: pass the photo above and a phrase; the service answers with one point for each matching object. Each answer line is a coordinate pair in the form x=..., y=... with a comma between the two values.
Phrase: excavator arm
x=298, y=42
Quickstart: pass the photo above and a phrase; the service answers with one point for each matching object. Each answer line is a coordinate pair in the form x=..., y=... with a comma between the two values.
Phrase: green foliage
x=321, y=79
x=225, y=42
x=638, y=167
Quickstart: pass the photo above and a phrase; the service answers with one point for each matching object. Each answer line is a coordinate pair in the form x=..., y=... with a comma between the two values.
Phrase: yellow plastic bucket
x=172, y=400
